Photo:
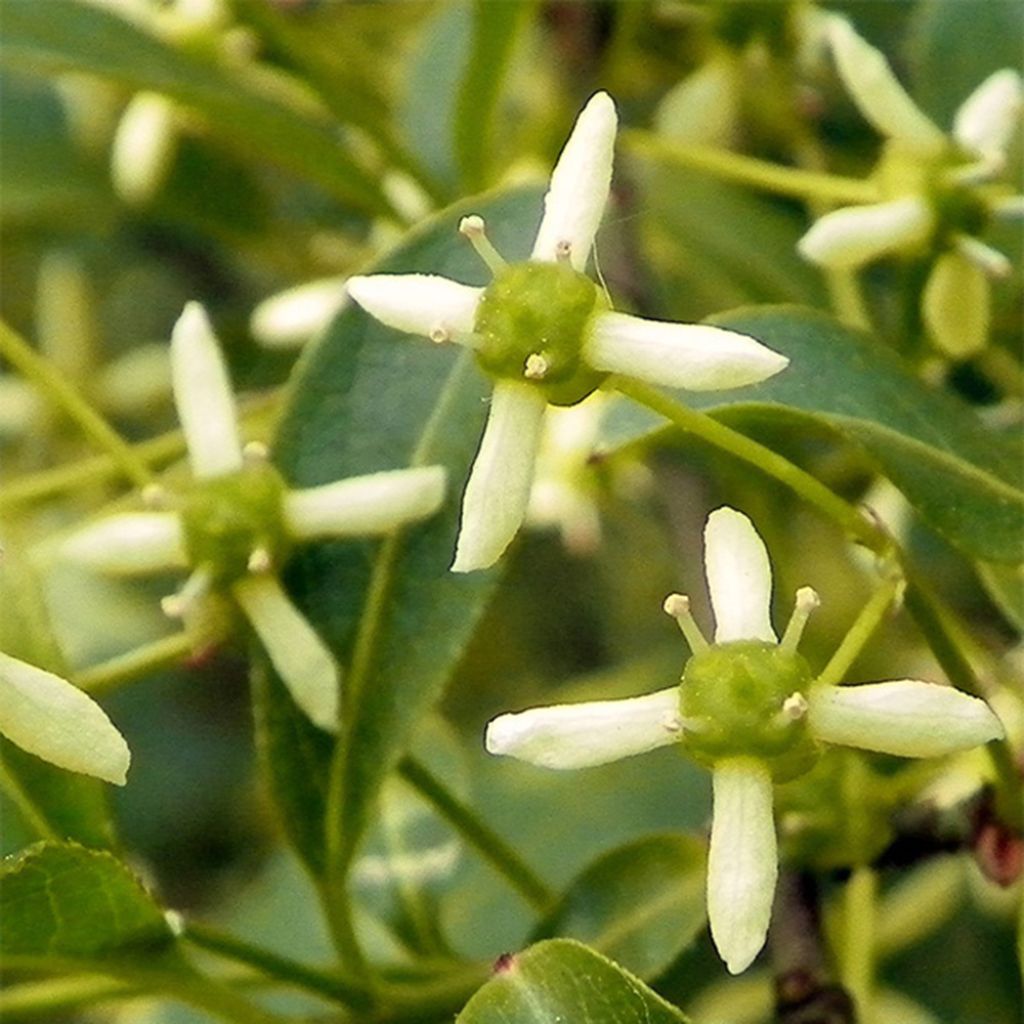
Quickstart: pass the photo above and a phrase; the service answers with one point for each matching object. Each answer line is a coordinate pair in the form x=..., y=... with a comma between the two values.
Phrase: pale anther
x=176, y=606
x=537, y=366
x=259, y=561
x=472, y=228
x=693, y=724
x=794, y=707
x=678, y=606
x=439, y=335
x=806, y=601
x=256, y=451
x=175, y=921
x=988, y=260
x=154, y=496
x=563, y=251
x=672, y=723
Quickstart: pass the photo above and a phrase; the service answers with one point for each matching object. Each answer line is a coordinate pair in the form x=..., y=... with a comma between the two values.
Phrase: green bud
x=532, y=321
x=747, y=698
x=228, y=518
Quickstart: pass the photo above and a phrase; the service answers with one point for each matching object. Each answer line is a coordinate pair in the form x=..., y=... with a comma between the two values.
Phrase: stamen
x=259, y=560
x=472, y=228
x=154, y=496
x=694, y=725
x=978, y=172
x=563, y=251
x=1010, y=207
x=988, y=260
x=537, y=366
x=439, y=335
x=678, y=606
x=256, y=451
x=806, y=601
x=794, y=707
x=177, y=606
x=672, y=722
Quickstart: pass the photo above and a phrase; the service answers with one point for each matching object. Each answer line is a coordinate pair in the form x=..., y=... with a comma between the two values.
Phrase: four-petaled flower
x=750, y=709
x=236, y=524
x=544, y=333
x=936, y=190
x=53, y=719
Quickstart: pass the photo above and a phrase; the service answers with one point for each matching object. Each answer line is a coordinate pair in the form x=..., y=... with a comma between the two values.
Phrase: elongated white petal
x=855, y=235
x=584, y=735
x=878, y=94
x=739, y=578
x=426, y=304
x=986, y=119
x=300, y=657
x=51, y=718
x=498, y=490
x=579, y=186
x=144, y=147
x=956, y=305
x=290, y=318
x=692, y=356
x=904, y=717
x=364, y=506
x=129, y=544
x=202, y=394
x=742, y=860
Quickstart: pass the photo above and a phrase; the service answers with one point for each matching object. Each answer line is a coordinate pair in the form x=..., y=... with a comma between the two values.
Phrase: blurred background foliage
x=152, y=153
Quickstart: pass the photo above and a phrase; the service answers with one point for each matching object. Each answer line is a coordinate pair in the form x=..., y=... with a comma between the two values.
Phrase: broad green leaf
x=63, y=900
x=563, y=980
x=963, y=479
x=496, y=29
x=1005, y=585
x=395, y=603
x=641, y=904
x=65, y=35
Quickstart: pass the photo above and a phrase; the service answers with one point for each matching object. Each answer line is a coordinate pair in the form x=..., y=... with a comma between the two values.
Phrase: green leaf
x=1005, y=585
x=64, y=35
x=563, y=980
x=63, y=900
x=641, y=904
x=962, y=478
x=396, y=618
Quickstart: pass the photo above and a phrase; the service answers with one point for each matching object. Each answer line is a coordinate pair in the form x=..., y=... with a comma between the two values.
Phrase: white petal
x=739, y=578
x=580, y=184
x=498, y=490
x=589, y=734
x=878, y=94
x=202, y=394
x=129, y=544
x=365, y=505
x=855, y=235
x=692, y=356
x=51, y=718
x=300, y=657
x=986, y=119
x=742, y=860
x=419, y=303
x=956, y=305
x=904, y=717
x=144, y=146
x=292, y=317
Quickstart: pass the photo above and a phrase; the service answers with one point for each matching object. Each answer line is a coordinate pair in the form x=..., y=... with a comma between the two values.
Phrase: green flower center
x=748, y=698
x=228, y=518
x=532, y=321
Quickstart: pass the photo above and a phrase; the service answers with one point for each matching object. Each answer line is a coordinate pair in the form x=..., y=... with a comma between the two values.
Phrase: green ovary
x=226, y=518
x=732, y=701
x=539, y=309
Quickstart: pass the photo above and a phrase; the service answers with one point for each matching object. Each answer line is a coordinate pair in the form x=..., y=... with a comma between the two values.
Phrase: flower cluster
x=544, y=333
x=938, y=192
x=749, y=708
x=235, y=526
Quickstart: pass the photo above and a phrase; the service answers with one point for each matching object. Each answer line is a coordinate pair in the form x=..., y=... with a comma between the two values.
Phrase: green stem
x=860, y=632
x=51, y=996
x=748, y=170
x=484, y=840
x=63, y=394
x=858, y=957
x=274, y=966
x=151, y=657
x=726, y=439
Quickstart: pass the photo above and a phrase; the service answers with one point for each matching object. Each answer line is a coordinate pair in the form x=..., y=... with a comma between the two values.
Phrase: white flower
x=746, y=670
x=236, y=524
x=544, y=334
x=51, y=718
x=933, y=188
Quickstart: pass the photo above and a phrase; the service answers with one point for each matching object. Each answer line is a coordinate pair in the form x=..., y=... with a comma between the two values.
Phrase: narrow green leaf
x=640, y=904
x=396, y=618
x=1005, y=585
x=63, y=900
x=563, y=980
x=962, y=478
x=65, y=35
x=496, y=30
